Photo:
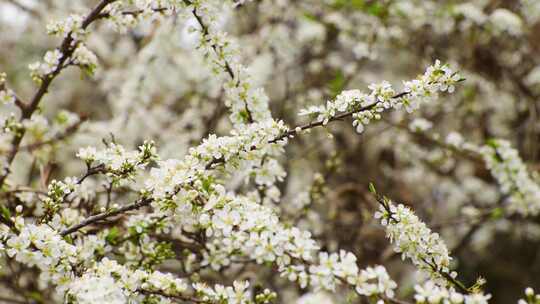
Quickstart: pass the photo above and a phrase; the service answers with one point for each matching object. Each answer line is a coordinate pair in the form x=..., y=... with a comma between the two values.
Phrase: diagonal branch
x=228, y=68
x=101, y=216
x=67, y=48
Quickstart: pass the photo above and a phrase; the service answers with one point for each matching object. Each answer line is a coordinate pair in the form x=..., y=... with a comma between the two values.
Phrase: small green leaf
x=5, y=212
x=244, y=115
x=497, y=213
x=112, y=236
x=492, y=143
x=310, y=17
x=376, y=9
x=348, y=4
x=207, y=184
x=372, y=188
x=34, y=295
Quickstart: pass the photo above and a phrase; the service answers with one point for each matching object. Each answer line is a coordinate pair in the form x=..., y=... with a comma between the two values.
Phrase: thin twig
x=101, y=216
x=227, y=67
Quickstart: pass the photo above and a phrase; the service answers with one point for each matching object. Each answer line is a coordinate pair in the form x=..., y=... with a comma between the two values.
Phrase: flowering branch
x=324, y=122
x=66, y=50
x=415, y=241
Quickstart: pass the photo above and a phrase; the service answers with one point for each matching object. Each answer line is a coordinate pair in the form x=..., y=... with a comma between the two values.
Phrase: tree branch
x=67, y=48
x=101, y=216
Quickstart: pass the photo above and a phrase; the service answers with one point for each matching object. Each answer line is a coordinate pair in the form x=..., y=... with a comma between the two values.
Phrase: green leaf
x=492, y=143
x=5, y=212
x=310, y=17
x=207, y=183
x=62, y=118
x=244, y=115
x=112, y=236
x=372, y=188
x=347, y=4
x=497, y=213
x=34, y=295
x=376, y=9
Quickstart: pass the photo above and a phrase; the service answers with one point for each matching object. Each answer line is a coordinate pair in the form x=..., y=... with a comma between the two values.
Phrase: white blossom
x=7, y=97
x=431, y=293
x=69, y=26
x=507, y=167
x=413, y=239
x=367, y=107
x=420, y=124
x=375, y=281
x=504, y=20
x=90, y=289
x=50, y=63
x=83, y=57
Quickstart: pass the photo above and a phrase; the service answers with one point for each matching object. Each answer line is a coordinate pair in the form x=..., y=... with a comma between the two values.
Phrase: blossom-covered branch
x=70, y=51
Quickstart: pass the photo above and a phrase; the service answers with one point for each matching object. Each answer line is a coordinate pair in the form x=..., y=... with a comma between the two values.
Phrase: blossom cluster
x=106, y=281
x=71, y=26
x=374, y=281
x=513, y=176
x=50, y=64
x=530, y=297
x=239, y=227
x=110, y=282
x=116, y=161
x=244, y=149
x=42, y=247
x=414, y=240
x=247, y=103
x=6, y=96
x=85, y=59
x=366, y=107
x=431, y=293
x=73, y=51
x=238, y=293
x=57, y=193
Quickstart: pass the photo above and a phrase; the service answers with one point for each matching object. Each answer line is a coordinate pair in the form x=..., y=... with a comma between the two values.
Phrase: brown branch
x=307, y=126
x=134, y=13
x=183, y=298
x=101, y=216
x=395, y=301
x=320, y=123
